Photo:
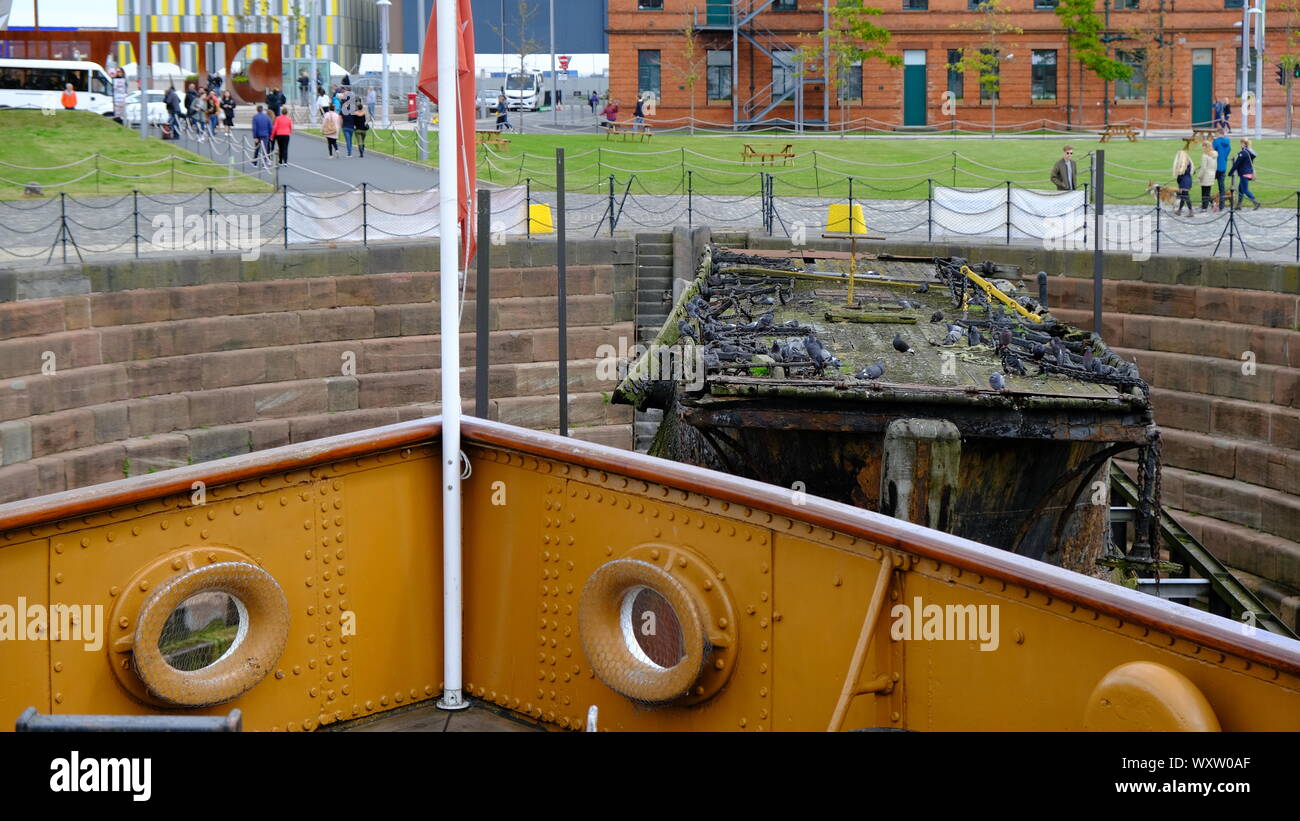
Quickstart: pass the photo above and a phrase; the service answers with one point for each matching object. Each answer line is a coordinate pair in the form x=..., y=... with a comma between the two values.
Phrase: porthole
x=209, y=635
x=657, y=626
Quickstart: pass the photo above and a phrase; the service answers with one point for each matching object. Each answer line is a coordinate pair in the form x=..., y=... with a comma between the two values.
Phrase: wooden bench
x=491, y=138
x=628, y=128
x=1198, y=135
x=768, y=156
x=1119, y=131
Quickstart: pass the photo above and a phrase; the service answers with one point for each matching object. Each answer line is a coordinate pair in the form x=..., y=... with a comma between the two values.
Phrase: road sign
x=564, y=63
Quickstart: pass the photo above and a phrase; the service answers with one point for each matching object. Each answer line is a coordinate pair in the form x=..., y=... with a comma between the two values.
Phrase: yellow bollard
x=838, y=221
x=539, y=219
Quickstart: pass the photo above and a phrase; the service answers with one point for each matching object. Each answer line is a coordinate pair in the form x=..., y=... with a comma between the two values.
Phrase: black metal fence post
x=211, y=224
x=1157, y=219
x=561, y=270
x=528, y=205
x=690, y=208
x=612, y=208
x=850, y=205
x=63, y=224
x=1297, y=226
x=365, y=217
x=1099, y=169
x=482, y=294
x=135, y=219
x=929, y=210
x=1008, y=212
x=284, y=209
x=1085, y=215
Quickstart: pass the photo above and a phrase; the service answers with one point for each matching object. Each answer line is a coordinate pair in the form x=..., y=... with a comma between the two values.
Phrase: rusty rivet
x=654, y=554
x=111, y=536
x=776, y=617
x=837, y=581
x=85, y=542
x=722, y=622
x=894, y=717
x=1020, y=637
x=306, y=525
x=123, y=622
x=58, y=578
x=719, y=664
x=58, y=697
x=113, y=591
x=144, y=585
x=58, y=667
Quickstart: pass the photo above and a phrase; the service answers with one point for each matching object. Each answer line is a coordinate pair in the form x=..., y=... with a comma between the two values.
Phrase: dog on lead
x=1166, y=193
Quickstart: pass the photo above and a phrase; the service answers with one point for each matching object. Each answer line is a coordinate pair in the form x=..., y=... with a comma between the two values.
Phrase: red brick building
x=746, y=65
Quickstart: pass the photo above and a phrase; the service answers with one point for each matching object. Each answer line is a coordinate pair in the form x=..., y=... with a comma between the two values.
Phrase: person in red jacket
x=281, y=129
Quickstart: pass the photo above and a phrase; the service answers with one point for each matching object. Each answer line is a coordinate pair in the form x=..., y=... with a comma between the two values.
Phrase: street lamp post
x=1259, y=66
x=555, y=108
x=421, y=102
x=384, y=5
x=315, y=69
x=142, y=70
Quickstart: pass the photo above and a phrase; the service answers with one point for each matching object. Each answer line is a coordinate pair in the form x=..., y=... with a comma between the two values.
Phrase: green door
x=1202, y=87
x=914, y=87
x=718, y=12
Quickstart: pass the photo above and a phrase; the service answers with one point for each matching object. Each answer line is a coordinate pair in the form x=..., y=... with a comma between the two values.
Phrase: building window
x=850, y=89
x=1133, y=88
x=783, y=65
x=974, y=5
x=985, y=93
x=1122, y=5
x=1044, y=74
x=956, y=80
x=647, y=72
x=916, y=5
x=719, y=75
x=650, y=5
x=1047, y=5
x=1254, y=53
x=785, y=5
x=1232, y=4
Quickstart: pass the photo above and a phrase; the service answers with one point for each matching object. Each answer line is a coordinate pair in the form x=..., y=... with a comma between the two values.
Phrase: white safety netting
x=352, y=216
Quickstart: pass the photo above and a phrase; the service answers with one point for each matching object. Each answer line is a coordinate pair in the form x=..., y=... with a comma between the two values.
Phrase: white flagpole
x=449, y=279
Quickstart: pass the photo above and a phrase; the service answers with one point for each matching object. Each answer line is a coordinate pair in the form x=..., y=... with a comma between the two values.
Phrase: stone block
x=15, y=441
x=343, y=394
x=158, y=414
x=93, y=465
x=218, y=443
x=155, y=453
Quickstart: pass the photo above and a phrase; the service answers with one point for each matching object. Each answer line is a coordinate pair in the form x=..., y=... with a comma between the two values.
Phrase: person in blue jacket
x=261, y=137
x=1244, y=168
x=1223, y=147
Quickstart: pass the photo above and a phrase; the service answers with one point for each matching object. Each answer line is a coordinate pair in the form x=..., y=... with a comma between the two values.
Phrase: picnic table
x=1119, y=131
x=491, y=138
x=768, y=155
x=1199, y=134
x=628, y=128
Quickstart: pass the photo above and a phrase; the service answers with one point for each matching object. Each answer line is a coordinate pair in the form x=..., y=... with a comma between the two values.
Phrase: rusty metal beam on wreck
x=1075, y=425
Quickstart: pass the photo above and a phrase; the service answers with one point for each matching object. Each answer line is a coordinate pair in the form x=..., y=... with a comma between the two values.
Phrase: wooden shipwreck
x=995, y=422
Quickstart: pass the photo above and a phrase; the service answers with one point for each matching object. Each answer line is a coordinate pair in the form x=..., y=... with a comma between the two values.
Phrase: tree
x=519, y=43
x=1157, y=54
x=850, y=40
x=982, y=58
x=1084, y=32
x=689, y=67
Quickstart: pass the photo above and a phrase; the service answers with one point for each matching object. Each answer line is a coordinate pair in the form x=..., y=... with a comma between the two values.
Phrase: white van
x=523, y=91
x=40, y=84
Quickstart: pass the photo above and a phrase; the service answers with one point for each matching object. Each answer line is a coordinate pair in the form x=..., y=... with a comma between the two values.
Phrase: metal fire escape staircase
x=739, y=18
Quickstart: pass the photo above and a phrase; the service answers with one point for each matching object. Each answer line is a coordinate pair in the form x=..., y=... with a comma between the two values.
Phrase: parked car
x=157, y=108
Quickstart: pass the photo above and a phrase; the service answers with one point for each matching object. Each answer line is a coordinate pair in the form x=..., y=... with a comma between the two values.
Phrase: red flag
x=466, y=93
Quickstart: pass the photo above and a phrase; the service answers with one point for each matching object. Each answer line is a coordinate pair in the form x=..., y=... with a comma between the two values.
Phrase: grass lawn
x=880, y=168
x=34, y=140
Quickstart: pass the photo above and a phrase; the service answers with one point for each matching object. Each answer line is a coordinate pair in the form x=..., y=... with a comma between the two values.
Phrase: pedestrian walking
x=639, y=113
x=593, y=100
x=1183, y=176
x=348, y=112
x=282, y=129
x=304, y=84
x=172, y=101
x=503, y=116
x=1223, y=151
x=228, y=110
x=261, y=137
x=275, y=101
x=1244, y=168
x=213, y=109
x=1218, y=121
x=1207, y=173
x=329, y=129
x=322, y=101
x=362, y=125
x=370, y=101
x=1065, y=174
